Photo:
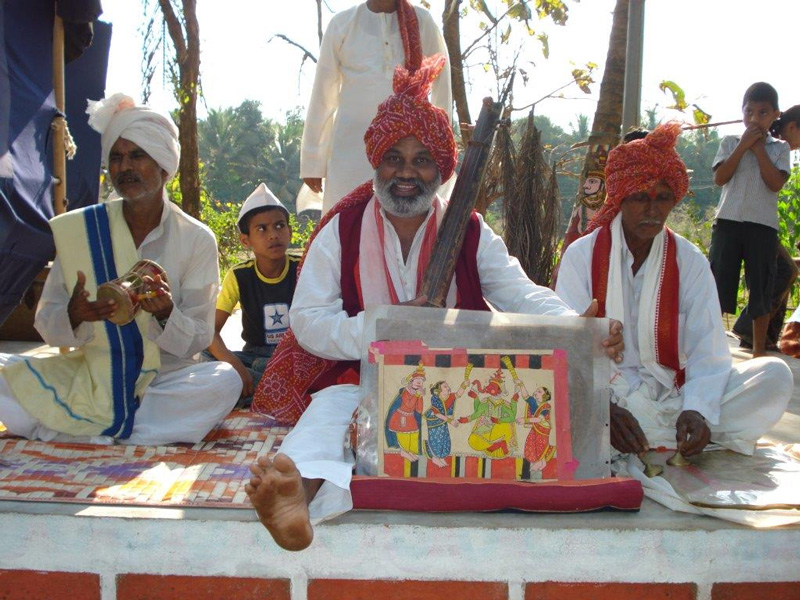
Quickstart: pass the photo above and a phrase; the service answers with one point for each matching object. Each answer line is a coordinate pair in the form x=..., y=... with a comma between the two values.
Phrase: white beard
x=404, y=206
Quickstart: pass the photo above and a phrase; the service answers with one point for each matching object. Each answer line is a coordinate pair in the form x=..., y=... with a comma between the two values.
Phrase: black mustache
x=128, y=177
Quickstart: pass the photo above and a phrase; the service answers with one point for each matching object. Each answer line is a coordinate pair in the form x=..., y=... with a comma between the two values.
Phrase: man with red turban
x=372, y=249
x=676, y=385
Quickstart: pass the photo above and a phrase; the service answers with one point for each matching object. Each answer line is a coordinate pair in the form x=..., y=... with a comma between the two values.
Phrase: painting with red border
x=464, y=413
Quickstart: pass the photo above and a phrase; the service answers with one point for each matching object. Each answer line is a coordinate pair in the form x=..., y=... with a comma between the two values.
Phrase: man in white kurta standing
x=360, y=50
x=676, y=384
x=136, y=383
x=373, y=251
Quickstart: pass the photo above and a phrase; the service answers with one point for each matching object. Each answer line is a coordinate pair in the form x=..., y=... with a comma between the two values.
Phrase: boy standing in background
x=263, y=285
x=751, y=169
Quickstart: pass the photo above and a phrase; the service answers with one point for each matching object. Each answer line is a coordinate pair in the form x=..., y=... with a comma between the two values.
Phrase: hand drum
x=127, y=290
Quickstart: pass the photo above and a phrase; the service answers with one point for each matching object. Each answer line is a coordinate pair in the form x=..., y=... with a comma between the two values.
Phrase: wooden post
x=59, y=123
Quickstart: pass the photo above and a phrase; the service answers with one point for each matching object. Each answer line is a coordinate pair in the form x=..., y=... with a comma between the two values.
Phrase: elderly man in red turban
x=676, y=386
x=372, y=249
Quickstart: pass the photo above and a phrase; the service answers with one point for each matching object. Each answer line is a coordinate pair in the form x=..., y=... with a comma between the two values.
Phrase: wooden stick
x=442, y=264
x=704, y=125
x=59, y=151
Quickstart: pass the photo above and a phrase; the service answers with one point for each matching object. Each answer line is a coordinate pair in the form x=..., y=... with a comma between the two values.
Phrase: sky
x=713, y=49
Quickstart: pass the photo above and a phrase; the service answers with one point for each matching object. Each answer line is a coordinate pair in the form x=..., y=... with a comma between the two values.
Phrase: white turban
x=118, y=116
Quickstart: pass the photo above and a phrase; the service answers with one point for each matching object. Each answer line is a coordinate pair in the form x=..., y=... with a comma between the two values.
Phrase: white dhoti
x=317, y=447
x=178, y=406
x=754, y=400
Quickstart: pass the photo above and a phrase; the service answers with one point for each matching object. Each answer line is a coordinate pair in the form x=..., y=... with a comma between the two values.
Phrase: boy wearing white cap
x=263, y=286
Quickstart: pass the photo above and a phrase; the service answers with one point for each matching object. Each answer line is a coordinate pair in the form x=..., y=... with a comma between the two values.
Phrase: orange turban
x=638, y=166
x=408, y=112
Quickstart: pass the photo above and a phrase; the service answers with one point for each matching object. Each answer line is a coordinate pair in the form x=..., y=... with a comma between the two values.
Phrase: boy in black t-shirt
x=263, y=286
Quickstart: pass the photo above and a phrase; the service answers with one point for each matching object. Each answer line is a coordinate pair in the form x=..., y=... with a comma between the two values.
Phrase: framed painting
x=491, y=414
x=466, y=394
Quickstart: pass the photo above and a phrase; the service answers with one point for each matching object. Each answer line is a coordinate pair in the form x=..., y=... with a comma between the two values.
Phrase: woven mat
x=210, y=474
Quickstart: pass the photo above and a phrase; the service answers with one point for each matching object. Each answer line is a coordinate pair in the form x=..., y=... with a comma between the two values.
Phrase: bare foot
x=408, y=456
x=279, y=497
x=539, y=465
x=439, y=462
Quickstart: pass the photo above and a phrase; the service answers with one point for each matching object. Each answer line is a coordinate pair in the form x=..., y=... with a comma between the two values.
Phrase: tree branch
x=487, y=31
x=174, y=28
x=291, y=42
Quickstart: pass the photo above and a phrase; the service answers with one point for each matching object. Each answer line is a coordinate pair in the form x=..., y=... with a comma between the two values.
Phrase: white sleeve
x=317, y=314
x=703, y=340
x=52, y=319
x=574, y=282
x=190, y=327
x=433, y=43
x=726, y=146
x=784, y=160
x=506, y=286
x=315, y=148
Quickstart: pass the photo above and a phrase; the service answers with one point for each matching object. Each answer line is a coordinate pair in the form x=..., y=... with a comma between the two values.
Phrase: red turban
x=409, y=113
x=638, y=166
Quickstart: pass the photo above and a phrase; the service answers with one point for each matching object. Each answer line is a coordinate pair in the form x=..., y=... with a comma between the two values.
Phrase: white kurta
x=316, y=443
x=359, y=52
x=186, y=399
x=740, y=403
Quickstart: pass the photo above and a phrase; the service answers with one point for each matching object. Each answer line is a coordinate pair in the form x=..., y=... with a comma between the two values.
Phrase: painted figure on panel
x=439, y=415
x=594, y=189
x=493, y=432
x=404, y=417
x=538, y=449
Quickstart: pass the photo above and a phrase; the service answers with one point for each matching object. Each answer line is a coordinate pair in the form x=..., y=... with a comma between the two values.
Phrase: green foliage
x=697, y=149
x=678, y=95
x=693, y=221
x=789, y=221
x=789, y=211
x=242, y=149
x=221, y=218
x=301, y=231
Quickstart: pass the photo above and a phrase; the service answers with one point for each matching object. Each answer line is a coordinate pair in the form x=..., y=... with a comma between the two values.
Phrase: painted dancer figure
x=539, y=449
x=404, y=417
x=676, y=383
x=439, y=416
x=372, y=249
x=493, y=418
x=137, y=383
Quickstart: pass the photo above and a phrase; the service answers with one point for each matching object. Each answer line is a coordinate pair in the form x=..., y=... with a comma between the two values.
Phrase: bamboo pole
x=59, y=123
x=704, y=125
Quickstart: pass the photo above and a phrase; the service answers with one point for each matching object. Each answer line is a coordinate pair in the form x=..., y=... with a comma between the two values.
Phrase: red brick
x=551, y=590
x=783, y=590
x=350, y=589
x=180, y=587
x=48, y=585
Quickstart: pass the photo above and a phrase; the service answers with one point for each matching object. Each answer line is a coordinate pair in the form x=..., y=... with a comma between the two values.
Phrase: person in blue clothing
x=438, y=417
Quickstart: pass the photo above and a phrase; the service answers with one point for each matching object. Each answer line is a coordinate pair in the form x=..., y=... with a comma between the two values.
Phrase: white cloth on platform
x=324, y=328
x=359, y=52
x=178, y=406
x=186, y=399
x=740, y=402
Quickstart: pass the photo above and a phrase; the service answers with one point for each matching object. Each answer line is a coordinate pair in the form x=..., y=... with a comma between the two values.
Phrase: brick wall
x=52, y=585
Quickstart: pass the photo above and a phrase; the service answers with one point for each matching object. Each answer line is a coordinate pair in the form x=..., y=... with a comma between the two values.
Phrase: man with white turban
x=136, y=383
x=676, y=385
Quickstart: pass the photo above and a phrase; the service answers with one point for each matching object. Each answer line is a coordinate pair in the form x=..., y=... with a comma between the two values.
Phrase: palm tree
x=607, y=122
